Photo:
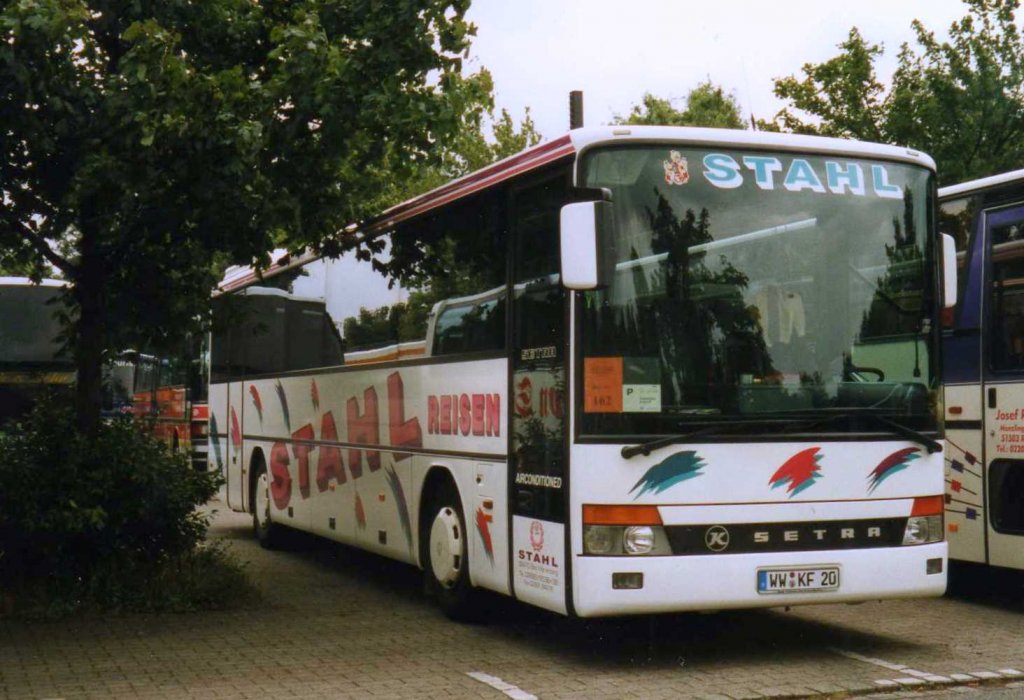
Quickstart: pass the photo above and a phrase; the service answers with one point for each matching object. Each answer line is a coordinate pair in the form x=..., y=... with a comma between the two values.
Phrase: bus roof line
x=569, y=144
x=980, y=183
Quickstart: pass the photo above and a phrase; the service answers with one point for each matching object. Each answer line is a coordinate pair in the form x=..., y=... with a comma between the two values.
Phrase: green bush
x=98, y=521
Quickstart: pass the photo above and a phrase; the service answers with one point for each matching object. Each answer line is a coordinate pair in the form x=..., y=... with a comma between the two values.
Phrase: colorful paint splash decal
x=215, y=439
x=256, y=401
x=236, y=432
x=360, y=513
x=314, y=394
x=669, y=472
x=403, y=507
x=284, y=404
x=896, y=462
x=483, y=526
x=800, y=471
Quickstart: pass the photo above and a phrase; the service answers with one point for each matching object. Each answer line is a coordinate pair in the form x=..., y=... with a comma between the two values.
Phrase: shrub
x=96, y=520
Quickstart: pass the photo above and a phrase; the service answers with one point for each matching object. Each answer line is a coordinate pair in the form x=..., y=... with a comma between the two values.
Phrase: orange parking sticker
x=602, y=385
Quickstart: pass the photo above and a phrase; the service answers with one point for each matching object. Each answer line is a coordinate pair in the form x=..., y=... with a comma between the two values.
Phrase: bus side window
x=1008, y=296
x=459, y=266
x=220, y=366
x=957, y=217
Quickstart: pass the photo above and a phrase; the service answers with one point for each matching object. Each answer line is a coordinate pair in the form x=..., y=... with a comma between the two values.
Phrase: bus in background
x=983, y=371
x=168, y=391
x=662, y=369
x=31, y=362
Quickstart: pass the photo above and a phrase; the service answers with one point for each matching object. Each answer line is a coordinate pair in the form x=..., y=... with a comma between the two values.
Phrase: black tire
x=445, y=555
x=269, y=533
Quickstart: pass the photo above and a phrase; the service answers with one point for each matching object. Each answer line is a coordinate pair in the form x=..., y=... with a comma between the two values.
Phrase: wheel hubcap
x=446, y=547
x=263, y=501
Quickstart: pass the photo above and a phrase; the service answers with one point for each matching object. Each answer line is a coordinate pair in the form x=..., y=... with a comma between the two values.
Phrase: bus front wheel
x=267, y=532
x=446, y=561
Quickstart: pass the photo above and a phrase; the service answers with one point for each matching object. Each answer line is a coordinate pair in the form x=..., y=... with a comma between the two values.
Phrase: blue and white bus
x=984, y=371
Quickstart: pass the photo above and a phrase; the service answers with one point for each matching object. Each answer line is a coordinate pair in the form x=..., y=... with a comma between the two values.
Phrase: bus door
x=1003, y=386
x=537, y=434
x=227, y=371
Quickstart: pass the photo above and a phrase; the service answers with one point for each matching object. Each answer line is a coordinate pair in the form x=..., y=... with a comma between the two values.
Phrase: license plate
x=798, y=579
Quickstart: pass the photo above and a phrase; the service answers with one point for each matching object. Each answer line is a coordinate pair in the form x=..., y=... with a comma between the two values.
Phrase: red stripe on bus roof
x=474, y=182
x=508, y=168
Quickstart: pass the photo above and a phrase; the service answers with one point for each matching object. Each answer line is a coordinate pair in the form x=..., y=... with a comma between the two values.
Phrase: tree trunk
x=89, y=332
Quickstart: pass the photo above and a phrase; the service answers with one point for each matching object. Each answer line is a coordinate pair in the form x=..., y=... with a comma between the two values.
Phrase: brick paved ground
x=335, y=623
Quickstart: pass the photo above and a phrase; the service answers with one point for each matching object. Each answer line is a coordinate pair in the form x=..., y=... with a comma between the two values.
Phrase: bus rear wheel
x=446, y=561
x=267, y=532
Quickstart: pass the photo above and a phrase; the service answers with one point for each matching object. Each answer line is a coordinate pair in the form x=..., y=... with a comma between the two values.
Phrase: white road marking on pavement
x=914, y=677
x=909, y=681
x=512, y=691
x=869, y=660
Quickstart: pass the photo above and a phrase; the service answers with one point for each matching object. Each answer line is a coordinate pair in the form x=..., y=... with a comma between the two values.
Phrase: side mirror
x=949, y=286
x=588, y=255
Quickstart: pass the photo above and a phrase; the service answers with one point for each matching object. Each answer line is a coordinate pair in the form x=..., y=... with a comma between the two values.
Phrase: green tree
x=147, y=144
x=470, y=149
x=959, y=100
x=706, y=105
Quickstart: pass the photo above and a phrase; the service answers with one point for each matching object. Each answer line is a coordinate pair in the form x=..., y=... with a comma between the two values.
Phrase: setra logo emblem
x=716, y=538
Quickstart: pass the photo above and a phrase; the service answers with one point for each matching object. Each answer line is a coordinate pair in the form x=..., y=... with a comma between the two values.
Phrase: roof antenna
x=575, y=109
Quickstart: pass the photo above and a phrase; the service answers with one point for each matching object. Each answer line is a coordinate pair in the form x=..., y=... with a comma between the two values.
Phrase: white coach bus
x=983, y=371
x=650, y=369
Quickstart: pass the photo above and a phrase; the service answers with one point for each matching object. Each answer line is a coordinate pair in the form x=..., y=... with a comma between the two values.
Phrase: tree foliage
x=960, y=100
x=469, y=151
x=147, y=144
x=706, y=105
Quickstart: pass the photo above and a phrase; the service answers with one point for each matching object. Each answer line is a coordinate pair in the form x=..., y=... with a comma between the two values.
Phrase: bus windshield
x=758, y=284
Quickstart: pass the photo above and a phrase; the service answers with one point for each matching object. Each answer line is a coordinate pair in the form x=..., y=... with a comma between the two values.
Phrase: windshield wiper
x=831, y=415
x=717, y=429
x=645, y=448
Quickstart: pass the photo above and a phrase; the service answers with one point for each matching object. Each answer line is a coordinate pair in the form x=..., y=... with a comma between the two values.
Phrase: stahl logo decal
x=677, y=171
x=716, y=538
x=537, y=544
x=363, y=429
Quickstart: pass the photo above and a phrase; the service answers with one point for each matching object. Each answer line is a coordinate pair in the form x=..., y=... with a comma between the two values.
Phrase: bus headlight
x=618, y=530
x=599, y=539
x=638, y=539
x=923, y=529
x=925, y=522
x=618, y=540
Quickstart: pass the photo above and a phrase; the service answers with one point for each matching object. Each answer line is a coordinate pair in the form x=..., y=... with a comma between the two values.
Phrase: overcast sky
x=615, y=51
